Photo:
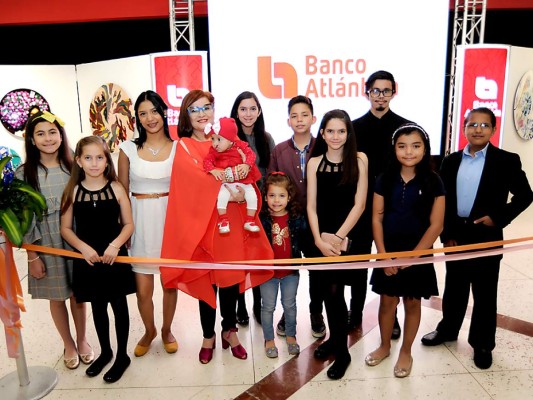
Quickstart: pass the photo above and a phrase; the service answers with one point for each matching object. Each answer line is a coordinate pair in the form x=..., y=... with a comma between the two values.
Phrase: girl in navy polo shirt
x=408, y=214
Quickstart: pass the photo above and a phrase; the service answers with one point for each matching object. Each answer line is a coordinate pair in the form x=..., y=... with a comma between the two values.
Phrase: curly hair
x=283, y=180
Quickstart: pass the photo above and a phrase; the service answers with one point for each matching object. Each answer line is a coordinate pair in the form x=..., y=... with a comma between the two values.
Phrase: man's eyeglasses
x=376, y=92
x=475, y=125
x=193, y=110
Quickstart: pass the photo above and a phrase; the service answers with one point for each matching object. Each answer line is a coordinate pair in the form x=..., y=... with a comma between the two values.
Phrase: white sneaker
x=223, y=226
x=251, y=226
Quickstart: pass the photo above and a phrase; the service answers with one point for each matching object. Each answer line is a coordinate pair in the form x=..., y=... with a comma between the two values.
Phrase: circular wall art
x=522, y=107
x=15, y=106
x=112, y=116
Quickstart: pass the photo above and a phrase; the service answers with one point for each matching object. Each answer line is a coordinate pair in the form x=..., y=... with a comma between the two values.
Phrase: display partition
x=56, y=83
x=98, y=98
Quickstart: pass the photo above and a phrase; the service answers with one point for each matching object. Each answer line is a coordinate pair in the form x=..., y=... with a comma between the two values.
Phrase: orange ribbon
x=11, y=300
x=314, y=260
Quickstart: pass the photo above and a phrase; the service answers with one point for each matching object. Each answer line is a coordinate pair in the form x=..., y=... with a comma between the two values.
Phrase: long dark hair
x=78, y=174
x=161, y=108
x=261, y=143
x=33, y=155
x=184, y=121
x=424, y=170
x=350, y=169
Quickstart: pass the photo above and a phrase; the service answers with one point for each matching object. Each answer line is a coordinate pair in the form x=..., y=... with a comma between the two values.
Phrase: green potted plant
x=19, y=202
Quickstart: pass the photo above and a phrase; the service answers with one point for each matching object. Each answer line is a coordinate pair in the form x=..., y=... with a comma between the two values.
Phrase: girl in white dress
x=144, y=167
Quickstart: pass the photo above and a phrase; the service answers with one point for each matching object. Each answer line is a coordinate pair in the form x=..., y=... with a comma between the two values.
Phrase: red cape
x=191, y=231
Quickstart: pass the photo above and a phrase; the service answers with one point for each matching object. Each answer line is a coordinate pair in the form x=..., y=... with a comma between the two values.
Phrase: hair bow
x=48, y=116
x=212, y=127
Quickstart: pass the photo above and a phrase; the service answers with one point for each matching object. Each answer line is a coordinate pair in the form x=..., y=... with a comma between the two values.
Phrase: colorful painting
x=112, y=116
x=12, y=165
x=15, y=106
x=522, y=107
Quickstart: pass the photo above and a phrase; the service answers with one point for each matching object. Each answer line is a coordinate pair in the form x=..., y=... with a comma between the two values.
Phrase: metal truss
x=181, y=16
x=468, y=28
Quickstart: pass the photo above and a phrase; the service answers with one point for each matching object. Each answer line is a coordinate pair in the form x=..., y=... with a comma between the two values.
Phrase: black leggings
x=359, y=284
x=228, y=302
x=316, y=292
x=122, y=324
x=337, y=313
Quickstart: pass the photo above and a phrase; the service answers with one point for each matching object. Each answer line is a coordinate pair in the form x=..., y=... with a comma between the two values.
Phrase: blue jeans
x=269, y=295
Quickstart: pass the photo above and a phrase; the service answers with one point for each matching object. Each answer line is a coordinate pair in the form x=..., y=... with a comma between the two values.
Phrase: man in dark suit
x=478, y=181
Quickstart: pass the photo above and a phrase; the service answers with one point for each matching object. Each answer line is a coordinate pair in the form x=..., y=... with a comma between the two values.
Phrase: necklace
x=95, y=197
x=156, y=152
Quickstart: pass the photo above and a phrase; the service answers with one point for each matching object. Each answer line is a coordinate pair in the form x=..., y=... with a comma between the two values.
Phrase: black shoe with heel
x=98, y=365
x=339, y=367
x=323, y=351
x=117, y=370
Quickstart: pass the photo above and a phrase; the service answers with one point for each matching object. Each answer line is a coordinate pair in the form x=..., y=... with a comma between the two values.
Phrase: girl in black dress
x=337, y=184
x=97, y=221
x=408, y=214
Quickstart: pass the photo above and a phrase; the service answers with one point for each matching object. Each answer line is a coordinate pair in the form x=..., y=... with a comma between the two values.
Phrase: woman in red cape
x=191, y=231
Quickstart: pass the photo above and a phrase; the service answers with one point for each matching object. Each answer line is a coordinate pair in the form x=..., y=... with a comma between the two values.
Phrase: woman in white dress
x=144, y=167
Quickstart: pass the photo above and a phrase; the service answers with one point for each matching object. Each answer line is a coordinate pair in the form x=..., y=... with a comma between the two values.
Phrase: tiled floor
x=442, y=372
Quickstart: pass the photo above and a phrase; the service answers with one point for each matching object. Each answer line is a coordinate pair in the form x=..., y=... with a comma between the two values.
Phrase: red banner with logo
x=484, y=84
x=174, y=75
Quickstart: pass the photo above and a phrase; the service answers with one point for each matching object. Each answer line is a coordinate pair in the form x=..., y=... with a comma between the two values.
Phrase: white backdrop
x=407, y=38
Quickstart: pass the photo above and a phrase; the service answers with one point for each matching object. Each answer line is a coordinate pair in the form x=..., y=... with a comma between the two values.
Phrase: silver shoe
x=271, y=352
x=403, y=372
x=294, y=348
x=372, y=361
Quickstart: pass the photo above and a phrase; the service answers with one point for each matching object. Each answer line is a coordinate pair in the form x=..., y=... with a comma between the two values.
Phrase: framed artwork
x=15, y=107
x=112, y=116
x=15, y=161
x=522, y=107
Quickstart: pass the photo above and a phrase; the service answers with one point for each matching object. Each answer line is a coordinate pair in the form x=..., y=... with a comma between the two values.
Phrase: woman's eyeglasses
x=195, y=110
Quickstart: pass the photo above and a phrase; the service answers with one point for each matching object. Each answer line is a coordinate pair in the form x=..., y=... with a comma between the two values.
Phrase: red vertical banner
x=484, y=84
x=174, y=74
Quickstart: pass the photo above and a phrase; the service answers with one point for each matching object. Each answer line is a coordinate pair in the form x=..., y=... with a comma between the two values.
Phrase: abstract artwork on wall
x=15, y=106
x=523, y=107
x=111, y=115
x=15, y=161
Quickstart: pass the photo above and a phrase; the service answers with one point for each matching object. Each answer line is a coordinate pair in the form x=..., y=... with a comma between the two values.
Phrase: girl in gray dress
x=47, y=169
